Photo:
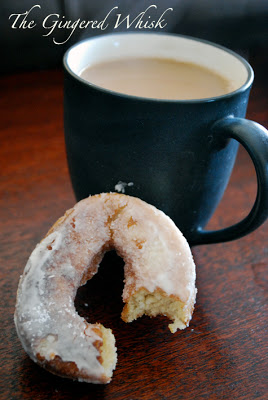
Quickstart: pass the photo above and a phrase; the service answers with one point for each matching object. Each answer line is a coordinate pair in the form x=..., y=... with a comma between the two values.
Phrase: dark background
x=241, y=25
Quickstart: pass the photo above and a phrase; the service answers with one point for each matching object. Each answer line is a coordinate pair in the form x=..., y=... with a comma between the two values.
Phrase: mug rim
x=241, y=89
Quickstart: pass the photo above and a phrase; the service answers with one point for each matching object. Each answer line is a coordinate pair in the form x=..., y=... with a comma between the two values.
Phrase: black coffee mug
x=175, y=154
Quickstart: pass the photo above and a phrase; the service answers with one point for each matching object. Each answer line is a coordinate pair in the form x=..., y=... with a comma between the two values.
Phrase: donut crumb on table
x=159, y=279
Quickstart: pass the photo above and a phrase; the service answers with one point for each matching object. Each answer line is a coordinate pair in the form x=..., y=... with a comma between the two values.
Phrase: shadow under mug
x=175, y=154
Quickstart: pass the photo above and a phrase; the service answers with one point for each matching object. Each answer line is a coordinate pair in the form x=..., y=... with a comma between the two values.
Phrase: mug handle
x=254, y=138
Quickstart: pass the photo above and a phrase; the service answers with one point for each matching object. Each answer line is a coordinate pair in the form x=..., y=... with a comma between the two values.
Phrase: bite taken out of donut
x=159, y=280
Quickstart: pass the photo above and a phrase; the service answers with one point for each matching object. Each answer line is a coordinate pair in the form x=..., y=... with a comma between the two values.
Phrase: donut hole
x=100, y=298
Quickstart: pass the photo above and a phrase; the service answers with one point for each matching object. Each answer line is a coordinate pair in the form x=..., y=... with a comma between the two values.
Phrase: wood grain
x=220, y=356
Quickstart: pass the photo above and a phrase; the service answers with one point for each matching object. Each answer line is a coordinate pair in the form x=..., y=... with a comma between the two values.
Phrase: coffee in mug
x=157, y=78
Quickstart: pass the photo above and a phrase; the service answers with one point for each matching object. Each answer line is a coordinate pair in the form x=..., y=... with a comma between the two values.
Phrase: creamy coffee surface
x=157, y=78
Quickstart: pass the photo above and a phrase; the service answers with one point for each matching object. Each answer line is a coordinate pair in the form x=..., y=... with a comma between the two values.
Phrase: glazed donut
x=159, y=279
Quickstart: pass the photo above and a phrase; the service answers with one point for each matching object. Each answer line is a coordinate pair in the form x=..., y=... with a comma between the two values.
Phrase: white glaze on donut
x=156, y=255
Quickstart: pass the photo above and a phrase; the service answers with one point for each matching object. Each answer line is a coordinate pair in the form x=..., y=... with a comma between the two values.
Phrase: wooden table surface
x=221, y=355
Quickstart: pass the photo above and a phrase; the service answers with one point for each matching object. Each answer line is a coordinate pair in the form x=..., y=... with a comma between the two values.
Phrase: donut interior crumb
x=108, y=351
x=156, y=303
